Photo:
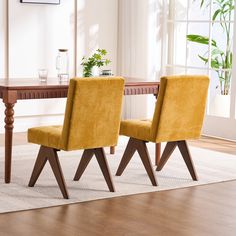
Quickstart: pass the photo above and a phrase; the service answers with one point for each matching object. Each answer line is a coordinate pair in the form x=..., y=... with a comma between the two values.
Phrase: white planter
x=220, y=106
x=95, y=71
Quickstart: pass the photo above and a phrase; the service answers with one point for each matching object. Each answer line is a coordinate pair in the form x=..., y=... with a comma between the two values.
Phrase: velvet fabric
x=92, y=116
x=178, y=114
x=139, y=129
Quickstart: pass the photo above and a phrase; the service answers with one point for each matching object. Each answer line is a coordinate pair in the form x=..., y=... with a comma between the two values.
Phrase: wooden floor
x=204, y=210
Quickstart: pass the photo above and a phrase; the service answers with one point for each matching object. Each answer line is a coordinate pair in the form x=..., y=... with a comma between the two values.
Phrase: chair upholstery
x=178, y=116
x=92, y=121
x=179, y=111
x=92, y=116
x=49, y=136
x=140, y=129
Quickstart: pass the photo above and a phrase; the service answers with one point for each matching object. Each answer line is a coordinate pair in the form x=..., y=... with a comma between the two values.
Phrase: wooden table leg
x=9, y=98
x=158, y=145
x=158, y=153
x=112, y=149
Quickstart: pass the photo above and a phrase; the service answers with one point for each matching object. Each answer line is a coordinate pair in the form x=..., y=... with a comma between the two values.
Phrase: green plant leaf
x=221, y=58
x=95, y=60
x=202, y=2
x=215, y=64
x=203, y=58
x=217, y=51
x=107, y=61
x=103, y=52
x=200, y=39
x=216, y=13
x=97, y=56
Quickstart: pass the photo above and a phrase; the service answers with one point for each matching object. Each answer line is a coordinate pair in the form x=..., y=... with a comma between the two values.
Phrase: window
x=199, y=40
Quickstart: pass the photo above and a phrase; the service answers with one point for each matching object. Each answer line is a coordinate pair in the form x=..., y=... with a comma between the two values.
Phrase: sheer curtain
x=139, y=49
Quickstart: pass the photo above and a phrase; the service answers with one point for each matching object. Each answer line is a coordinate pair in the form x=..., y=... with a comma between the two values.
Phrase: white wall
x=2, y=53
x=2, y=38
x=97, y=28
x=36, y=32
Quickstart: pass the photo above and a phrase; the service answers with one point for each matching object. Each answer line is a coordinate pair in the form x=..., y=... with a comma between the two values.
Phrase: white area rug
x=211, y=167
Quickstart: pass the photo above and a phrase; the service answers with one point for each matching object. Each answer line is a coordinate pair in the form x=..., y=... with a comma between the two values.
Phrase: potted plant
x=220, y=59
x=97, y=59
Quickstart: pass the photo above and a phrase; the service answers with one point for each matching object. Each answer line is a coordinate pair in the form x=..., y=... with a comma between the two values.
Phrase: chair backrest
x=180, y=108
x=93, y=112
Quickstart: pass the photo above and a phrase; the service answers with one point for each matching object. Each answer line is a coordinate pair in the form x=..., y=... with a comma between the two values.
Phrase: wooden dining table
x=12, y=90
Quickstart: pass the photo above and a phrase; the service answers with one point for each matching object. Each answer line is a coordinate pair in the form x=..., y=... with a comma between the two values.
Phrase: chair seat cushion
x=49, y=136
x=139, y=129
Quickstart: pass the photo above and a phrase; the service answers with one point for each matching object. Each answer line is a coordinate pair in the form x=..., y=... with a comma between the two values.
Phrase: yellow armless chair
x=91, y=122
x=178, y=117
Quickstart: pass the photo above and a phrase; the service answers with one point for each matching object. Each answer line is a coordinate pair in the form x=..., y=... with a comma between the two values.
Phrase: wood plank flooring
x=203, y=210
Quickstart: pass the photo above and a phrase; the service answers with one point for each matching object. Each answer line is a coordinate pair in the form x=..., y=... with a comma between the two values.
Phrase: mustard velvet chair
x=178, y=117
x=91, y=122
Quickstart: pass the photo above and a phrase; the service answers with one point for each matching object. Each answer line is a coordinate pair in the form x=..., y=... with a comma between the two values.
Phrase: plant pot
x=220, y=106
x=92, y=72
x=95, y=71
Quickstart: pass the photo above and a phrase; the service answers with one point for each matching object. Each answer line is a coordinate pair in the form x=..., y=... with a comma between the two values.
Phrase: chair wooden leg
x=157, y=153
x=129, y=152
x=85, y=159
x=56, y=168
x=183, y=147
x=101, y=158
x=169, y=148
x=140, y=146
x=143, y=152
x=112, y=149
x=50, y=154
x=38, y=166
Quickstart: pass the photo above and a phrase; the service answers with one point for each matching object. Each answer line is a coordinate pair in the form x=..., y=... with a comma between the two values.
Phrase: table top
x=34, y=83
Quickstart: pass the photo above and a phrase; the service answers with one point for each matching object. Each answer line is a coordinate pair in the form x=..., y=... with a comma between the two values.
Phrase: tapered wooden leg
x=169, y=148
x=50, y=154
x=85, y=159
x=101, y=158
x=143, y=152
x=56, y=168
x=38, y=166
x=140, y=146
x=129, y=152
x=112, y=149
x=183, y=147
x=157, y=153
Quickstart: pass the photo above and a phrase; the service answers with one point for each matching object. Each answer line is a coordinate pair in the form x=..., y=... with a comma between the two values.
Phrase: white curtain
x=139, y=50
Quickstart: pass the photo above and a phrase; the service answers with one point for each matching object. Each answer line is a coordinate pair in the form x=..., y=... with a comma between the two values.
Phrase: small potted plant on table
x=96, y=60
